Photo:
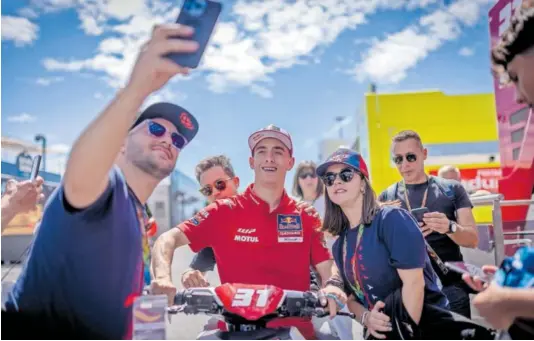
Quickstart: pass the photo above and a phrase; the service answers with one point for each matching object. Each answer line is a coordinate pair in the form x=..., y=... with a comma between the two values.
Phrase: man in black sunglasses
x=89, y=262
x=217, y=180
x=446, y=221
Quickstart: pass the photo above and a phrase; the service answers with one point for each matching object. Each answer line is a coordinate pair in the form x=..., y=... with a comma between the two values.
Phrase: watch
x=452, y=227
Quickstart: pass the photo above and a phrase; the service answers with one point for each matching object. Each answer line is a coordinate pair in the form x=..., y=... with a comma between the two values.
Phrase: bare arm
x=163, y=251
x=94, y=152
x=413, y=291
x=520, y=302
x=356, y=308
x=325, y=270
x=466, y=234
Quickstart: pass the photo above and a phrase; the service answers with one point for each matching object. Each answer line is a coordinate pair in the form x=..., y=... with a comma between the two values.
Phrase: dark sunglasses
x=346, y=175
x=157, y=130
x=410, y=157
x=305, y=175
x=220, y=185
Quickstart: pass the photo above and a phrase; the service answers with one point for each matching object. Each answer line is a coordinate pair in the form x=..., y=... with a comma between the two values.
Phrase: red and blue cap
x=347, y=157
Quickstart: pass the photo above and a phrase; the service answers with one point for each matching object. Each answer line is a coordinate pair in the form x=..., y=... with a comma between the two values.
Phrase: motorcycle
x=247, y=310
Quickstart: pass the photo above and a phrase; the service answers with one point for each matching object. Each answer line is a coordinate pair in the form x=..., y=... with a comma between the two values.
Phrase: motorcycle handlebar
x=311, y=298
x=179, y=298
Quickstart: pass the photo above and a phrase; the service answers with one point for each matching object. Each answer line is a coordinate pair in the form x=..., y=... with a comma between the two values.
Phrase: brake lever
x=322, y=313
x=175, y=309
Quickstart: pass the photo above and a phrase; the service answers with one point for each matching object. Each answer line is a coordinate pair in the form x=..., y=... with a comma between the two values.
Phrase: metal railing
x=498, y=242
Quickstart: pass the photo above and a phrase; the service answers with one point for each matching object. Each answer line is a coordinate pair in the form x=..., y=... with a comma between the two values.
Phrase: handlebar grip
x=179, y=298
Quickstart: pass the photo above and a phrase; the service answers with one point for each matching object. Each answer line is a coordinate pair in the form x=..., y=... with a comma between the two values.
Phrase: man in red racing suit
x=258, y=237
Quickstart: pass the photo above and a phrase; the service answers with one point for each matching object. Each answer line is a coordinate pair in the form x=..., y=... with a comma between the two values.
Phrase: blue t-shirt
x=86, y=265
x=392, y=241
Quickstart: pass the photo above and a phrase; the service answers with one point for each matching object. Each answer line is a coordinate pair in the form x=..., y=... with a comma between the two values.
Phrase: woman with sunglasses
x=308, y=187
x=380, y=256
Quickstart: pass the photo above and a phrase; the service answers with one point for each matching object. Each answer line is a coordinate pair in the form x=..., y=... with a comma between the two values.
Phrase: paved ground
x=187, y=327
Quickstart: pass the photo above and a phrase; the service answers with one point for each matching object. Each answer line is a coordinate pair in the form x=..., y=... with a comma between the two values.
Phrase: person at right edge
x=381, y=261
x=507, y=302
x=449, y=222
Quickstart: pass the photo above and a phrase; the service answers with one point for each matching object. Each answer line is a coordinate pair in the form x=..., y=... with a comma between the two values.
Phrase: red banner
x=474, y=179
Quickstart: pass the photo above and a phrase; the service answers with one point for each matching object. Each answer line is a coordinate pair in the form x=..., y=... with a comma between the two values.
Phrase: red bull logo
x=289, y=222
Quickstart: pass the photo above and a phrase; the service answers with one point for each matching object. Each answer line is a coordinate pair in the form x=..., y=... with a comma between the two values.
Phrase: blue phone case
x=202, y=15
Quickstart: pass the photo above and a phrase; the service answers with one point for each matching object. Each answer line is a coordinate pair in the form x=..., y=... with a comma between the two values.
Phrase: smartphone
x=466, y=268
x=35, y=167
x=418, y=213
x=202, y=15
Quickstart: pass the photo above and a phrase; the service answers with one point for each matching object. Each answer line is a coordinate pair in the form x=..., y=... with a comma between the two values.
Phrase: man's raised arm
x=94, y=152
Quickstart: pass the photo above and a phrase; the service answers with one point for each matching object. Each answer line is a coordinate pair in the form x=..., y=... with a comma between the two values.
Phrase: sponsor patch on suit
x=290, y=228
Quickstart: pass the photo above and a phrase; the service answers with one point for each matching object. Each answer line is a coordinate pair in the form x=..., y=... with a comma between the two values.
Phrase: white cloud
x=28, y=12
x=466, y=51
x=18, y=29
x=165, y=95
x=46, y=81
x=262, y=36
x=388, y=60
x=21, y=118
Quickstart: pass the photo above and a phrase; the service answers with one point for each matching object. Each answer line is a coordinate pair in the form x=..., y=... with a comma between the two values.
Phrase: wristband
x=336, y=282
x=364, y=315
x=185, y=272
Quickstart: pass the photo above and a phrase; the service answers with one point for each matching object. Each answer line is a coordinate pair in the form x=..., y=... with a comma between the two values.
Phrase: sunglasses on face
x=346, y=175
x=157, y=130
x=220, y=185
x=410, y=157
x=308, y=174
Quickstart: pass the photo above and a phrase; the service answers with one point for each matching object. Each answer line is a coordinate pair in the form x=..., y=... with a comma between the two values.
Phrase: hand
x=194, y=279
x=308, y=208
x=163, y=287
x=332, y=303
x=376, y=321
x=475, y=283
x=425, y=229
x=491, y=305
x=435, y=221
x=23, y=196
x=152, y=69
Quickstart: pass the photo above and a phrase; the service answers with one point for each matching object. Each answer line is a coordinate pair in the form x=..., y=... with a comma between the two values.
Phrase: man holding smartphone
x=448, y=223
x=89, y=259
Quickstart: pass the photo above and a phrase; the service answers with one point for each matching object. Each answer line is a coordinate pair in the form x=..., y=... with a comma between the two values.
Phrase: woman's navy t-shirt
x=392, y=241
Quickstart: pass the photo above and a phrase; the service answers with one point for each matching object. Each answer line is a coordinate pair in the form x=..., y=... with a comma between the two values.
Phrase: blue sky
x=296, y=64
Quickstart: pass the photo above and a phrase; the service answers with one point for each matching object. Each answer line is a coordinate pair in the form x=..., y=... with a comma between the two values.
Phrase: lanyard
x=433, y=254
x=406, y=197
x=142, y=216
x=358, y=285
